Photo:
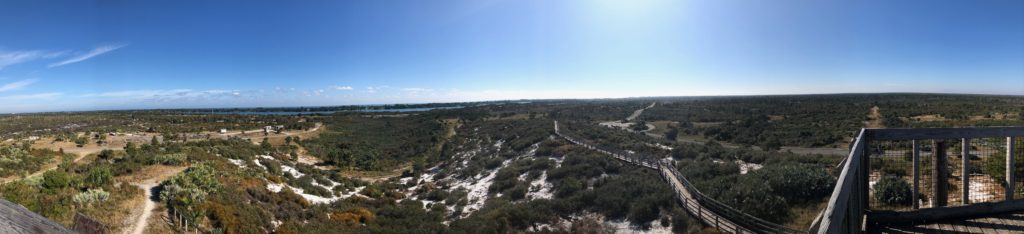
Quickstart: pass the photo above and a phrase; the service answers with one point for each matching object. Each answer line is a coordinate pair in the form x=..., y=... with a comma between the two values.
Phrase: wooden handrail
x=889, y=134
x=841, y=215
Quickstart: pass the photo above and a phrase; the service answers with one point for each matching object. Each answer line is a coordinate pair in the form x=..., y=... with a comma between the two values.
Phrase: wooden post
x=939, y=173
x=965, y=171
x=1009, y=168
x=916, y=154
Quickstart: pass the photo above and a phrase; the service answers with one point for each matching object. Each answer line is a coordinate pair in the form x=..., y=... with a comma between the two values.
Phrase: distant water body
x=322, y=112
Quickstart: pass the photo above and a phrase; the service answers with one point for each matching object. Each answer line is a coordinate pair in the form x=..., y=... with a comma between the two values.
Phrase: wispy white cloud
x=31, y=96
x=318, y=92
x=417, y=90
x=16, y=85
x=135, y=93
x=93, y=53
x=375, y=89
x=170, y=94
x=8, y=58
x=336, y=87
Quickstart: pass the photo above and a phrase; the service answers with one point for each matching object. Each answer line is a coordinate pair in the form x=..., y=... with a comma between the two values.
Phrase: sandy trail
x=630, y=121
x=637, y=113
x=148, y=185
x=874, y=119
x=147, y=210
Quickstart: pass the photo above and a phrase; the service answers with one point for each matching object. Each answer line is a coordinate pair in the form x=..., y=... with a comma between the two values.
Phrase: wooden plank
x=941, y=133
x=945, y=213
x=970, y=226
x=957, y=227
x=987, y=226
x=999, y=224
x=994, y=225
x=1009, y=169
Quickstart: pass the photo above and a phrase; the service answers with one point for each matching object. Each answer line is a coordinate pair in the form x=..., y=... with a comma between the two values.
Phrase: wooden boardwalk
x=689, y=201
x=691, y=205
x=1003, y=223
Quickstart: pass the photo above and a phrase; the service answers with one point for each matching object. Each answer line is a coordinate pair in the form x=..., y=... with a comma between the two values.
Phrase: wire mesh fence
x=1018, y=156
x=948, y=172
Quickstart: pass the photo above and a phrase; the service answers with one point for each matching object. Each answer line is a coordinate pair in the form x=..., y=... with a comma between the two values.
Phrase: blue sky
x=87, y=55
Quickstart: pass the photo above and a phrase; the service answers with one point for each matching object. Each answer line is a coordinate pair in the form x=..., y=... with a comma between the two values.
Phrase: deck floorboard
x=1001, y=223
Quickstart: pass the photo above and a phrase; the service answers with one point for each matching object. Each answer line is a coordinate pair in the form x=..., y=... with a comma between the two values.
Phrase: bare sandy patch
x=256, y=135
x=152, y=173
x=928, y=118
x=994, y=116
x=375, y=176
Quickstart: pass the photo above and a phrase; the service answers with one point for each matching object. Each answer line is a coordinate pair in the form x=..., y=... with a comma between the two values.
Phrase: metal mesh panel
x=1018, y=156
x=986, y=169
x=890, y=176
x=891, y=173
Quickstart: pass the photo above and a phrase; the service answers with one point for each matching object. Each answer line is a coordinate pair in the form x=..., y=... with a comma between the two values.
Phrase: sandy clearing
x=257, y=135
x=115, y=142
x=928, y=118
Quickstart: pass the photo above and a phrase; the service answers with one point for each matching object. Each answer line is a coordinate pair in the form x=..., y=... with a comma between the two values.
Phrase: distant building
x=223, y=130
x=268, y=129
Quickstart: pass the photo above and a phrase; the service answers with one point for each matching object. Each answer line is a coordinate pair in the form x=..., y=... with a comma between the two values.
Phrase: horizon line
x=494, y=100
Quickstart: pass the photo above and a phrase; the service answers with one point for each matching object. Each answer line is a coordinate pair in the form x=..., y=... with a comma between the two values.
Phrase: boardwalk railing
x=872, y=189
x=706, y=209
x=846, y=206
